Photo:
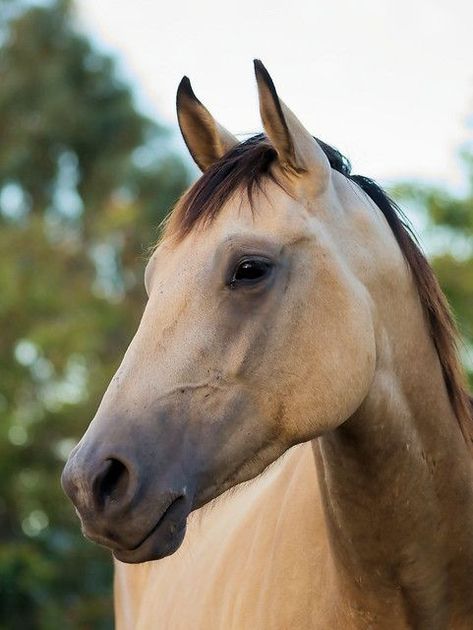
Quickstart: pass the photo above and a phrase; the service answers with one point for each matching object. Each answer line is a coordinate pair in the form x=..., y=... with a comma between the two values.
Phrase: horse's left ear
x=297, y=150
x=205, y=138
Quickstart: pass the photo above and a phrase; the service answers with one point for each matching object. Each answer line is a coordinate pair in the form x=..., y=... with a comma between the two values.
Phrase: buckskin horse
x=294, y=336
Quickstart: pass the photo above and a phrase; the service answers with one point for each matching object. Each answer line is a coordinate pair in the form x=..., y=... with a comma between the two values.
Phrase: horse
x=292, y=399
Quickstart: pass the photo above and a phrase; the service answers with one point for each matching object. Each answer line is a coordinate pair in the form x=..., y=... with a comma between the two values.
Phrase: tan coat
x=255, y=558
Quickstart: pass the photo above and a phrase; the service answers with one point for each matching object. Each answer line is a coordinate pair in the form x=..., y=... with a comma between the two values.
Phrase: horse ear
x=297, y=150
x=206, y=140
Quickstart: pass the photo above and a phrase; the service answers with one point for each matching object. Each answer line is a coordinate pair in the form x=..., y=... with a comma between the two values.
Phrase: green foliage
x=84, y=181
x=451, y=237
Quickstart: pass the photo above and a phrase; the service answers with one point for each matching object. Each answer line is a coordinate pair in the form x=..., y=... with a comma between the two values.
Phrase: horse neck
x=397, y=482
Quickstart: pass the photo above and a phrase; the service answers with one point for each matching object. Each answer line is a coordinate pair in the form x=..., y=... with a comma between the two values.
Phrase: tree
x=84, y=181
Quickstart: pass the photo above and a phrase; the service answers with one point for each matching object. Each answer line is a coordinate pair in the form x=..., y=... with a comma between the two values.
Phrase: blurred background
x=91, y=162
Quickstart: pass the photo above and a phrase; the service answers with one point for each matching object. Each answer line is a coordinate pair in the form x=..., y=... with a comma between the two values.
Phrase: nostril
x=111, y=484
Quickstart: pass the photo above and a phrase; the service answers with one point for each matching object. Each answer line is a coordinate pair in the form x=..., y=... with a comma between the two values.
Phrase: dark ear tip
x=262, y=74
x=185, y=88
x=259, y=68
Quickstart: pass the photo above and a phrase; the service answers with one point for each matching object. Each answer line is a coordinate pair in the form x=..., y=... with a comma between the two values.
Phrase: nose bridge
x=163, y=348
x=148, y=366
x=133, y=437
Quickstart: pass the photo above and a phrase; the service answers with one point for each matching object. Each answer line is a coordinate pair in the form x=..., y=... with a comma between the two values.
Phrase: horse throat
x=397, y=487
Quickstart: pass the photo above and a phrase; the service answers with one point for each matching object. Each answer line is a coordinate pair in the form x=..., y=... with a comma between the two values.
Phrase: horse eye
x=250, y=271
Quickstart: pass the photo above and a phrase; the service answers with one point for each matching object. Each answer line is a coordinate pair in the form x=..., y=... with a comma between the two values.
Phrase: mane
x=248, y=164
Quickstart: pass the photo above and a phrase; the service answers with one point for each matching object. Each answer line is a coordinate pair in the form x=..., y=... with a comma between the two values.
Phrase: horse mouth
x=163, y=539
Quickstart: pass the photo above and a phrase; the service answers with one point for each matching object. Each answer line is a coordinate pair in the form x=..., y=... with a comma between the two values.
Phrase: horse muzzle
x=121, y=509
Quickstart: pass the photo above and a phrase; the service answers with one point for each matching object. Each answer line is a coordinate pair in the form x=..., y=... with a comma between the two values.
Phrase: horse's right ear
x=206, y=140
x=298, y=152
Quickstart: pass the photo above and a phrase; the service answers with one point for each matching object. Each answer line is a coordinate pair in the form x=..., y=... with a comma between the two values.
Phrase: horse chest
x=254, y=560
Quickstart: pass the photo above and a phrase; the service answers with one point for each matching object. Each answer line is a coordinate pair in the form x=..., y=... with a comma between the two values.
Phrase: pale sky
x=389, y=82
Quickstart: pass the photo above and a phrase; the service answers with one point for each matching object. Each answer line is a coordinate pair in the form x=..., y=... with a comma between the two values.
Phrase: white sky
x=389, y=82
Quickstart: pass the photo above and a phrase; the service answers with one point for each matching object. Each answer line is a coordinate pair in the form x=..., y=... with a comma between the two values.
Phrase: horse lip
x=169, y=511
x=163, y=539
x=112, y=542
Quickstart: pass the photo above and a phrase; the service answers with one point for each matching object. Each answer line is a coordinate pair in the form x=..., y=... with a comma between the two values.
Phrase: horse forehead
x=271, y=212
